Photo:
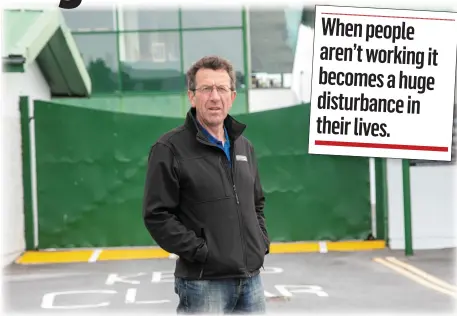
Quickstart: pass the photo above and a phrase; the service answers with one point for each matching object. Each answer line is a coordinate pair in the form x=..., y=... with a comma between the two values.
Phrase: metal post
x=381, y=199
x=184, y=101
x=29, y=219
x=246, y=55
x=407, y=208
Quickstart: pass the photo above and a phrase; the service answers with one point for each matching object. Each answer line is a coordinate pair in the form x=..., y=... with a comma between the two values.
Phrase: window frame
x=117, y=9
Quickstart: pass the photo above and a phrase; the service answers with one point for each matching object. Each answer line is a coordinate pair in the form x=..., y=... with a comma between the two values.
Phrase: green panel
x=309, y=197
x=167, y=105
x=65, y=76
x=91, y=168
x=150, y=61
x=381, y=199
x=13, y=68
x=159, y=104
x=407, y=207
x=99, y=52
x=240, y=104
x=26, y=172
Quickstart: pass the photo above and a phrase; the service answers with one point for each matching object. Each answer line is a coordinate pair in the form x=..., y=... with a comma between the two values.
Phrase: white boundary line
x=95, y=255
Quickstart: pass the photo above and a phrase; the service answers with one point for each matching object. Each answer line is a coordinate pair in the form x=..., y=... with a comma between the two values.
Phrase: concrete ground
x=334, y=282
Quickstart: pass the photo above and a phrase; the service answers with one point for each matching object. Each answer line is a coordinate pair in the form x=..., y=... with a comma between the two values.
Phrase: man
x=203, y=200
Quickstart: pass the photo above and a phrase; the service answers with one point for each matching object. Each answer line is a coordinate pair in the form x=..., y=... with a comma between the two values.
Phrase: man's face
x=213, y=97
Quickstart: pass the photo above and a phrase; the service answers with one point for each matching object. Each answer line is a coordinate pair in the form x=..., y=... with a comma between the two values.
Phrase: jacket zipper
x=240, y=218
x=232, y=179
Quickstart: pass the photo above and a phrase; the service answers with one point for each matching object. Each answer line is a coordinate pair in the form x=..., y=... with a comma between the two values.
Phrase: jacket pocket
x=225, y=254
x=203, y=265
x=265, y=241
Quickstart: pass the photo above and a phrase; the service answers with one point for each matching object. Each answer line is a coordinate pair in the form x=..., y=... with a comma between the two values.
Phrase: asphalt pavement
x=381, y=281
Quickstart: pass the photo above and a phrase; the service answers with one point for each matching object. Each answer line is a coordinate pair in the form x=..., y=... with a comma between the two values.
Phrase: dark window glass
x=308, y=18
x=146, y=19
x=225, y=43
x=271, y=43
x=100, y=56
x=211, y=18
x=151, y=61
x=90, y=20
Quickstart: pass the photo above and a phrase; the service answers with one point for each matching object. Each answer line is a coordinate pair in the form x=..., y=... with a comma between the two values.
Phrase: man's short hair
x=210, y=62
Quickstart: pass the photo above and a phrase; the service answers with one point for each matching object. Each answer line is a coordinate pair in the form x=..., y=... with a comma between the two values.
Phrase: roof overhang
x=49, y=42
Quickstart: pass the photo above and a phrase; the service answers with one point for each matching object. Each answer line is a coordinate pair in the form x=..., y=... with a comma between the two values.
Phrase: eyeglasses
x=221, y=90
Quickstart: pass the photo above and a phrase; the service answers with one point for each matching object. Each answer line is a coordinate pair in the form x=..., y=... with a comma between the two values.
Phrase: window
x=82, y=20
x=132, y=18
x=272, y=45
x=100, y=56
x=225, y=43
x=150, y=61
x=211, y=18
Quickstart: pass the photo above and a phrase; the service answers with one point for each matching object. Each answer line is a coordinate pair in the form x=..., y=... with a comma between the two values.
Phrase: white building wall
x=433, y=205
x=270, y=99
x=32, y=84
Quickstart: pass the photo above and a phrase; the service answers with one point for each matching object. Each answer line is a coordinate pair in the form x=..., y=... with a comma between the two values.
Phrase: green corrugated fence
x=91, y=167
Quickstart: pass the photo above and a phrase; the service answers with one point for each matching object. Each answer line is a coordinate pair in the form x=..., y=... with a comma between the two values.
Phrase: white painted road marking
x=114, y=277
x=415, y=277
x=95, y=255
x=423, y=274
x=287, y=290
x=280, y=292
x=164, y=276
x=284, y=292
x=130, y=298
x=48, y=299
x=323, y=247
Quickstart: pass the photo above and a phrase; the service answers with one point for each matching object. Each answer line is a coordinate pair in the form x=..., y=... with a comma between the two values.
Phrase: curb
x=115, y=254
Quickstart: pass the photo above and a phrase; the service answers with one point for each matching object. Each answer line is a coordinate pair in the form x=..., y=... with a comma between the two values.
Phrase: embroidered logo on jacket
x=241, y=158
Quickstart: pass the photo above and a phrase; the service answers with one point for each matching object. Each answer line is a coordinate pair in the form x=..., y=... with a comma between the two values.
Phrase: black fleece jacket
x=201, y=209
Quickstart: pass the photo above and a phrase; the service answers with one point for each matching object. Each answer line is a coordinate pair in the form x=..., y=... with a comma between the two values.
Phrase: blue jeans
x=229, y=296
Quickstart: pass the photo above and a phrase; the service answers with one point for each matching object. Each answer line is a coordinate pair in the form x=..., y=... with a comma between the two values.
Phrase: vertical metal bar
x=34, y=174
x=27, y=174
x=181, y=56
x=247, y=75
x=407, y=208
x=381, y=199
x=118, y=51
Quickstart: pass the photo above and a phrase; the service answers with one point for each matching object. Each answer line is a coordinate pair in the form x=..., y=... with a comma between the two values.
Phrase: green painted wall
x=91, y=168
x=158, y=104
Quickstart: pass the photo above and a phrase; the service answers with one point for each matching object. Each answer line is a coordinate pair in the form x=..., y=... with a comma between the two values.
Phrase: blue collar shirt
x=225, y=147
